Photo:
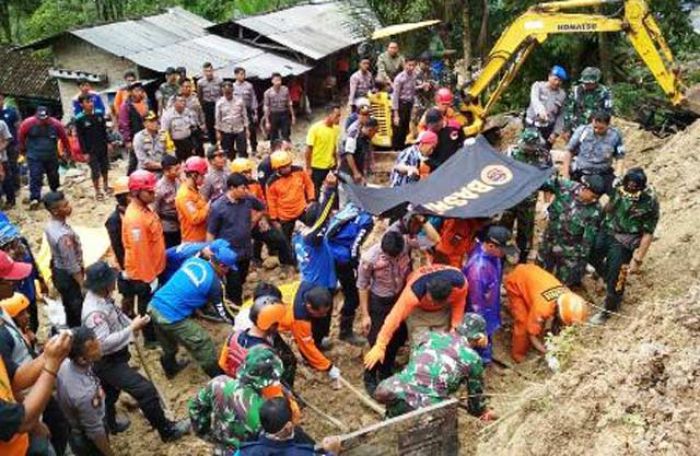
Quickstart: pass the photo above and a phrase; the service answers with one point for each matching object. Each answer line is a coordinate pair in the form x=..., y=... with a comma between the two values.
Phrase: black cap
x=501, y=236
x=433, y=116
x=213, y=150
x=170, y=70
x=135, y=85
x=99, y=276
x=594, y=183
x=181, y=69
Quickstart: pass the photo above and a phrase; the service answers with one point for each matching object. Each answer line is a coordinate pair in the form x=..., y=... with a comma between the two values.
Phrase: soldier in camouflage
x=574, y=220
x=227, y=411
x=585, y=99
x=628, y=228
x=440, y=362
x=531, y=149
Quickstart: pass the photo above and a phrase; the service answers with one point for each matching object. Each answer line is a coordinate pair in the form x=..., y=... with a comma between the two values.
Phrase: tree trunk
x=466, y=35
x=5, y=22
x=483, y=44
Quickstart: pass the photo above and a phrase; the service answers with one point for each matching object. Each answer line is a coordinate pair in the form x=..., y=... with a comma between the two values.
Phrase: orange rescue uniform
x=532, y=300
x=192, y=212
x=287, y=196
x=18, y=443
x=256, y=190
x=300, y=328
x=457, y=239
x=144, y=246
x=415, y=295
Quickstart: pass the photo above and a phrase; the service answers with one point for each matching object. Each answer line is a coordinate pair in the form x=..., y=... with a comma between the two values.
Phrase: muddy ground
x=566, y=413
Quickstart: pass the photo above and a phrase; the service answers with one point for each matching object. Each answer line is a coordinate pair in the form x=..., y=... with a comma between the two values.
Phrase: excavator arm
x=534, y=27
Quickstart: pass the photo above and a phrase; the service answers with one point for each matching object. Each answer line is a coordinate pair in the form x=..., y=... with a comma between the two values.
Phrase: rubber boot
x=174, y=430
x=171, y=366
x=370, y=380
x=117, y=424
x=348, y=335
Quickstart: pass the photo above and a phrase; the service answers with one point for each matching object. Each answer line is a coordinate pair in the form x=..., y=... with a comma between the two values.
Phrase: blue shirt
x=231, y=220
x=189, y=289
x=265, y=446
x=315, y=261
x=176, y=256
x=484, y=274
x=96, y=101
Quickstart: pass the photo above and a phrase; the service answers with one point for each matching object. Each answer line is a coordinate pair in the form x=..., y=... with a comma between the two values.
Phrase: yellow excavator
x=534, y=26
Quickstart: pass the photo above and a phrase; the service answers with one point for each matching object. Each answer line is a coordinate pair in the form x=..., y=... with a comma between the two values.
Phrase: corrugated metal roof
x=316, y=29
x=180, y=38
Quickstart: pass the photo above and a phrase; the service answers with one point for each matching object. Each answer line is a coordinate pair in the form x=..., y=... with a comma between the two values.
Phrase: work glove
x=375, y=355
x=334, y=373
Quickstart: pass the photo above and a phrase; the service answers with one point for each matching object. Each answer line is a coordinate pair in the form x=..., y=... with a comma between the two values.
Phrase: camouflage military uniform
x=531, y=149
x=227, y=411
x=581, y=104
x=440, y=362
x=627, y=219
x=571, y=233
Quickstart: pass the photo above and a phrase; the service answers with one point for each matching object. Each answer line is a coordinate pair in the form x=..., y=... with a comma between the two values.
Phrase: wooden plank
x=428, y=431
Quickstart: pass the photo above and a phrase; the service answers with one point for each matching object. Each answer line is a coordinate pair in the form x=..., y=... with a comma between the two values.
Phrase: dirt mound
x=633, y=387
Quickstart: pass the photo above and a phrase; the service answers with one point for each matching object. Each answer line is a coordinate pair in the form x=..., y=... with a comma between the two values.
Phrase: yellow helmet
x=572, y=308
x=241, y=165
x=121, y=185
x=15, y=304
x=280, y=159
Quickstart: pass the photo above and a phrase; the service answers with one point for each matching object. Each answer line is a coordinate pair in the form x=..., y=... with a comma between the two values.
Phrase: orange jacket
x=457, y=239
x=144, y=246
x=17, y=444
x=415, y=294
x=532, y=296
x=256, y=190
x=300, y=328
x=192, y=212
x=288, y=195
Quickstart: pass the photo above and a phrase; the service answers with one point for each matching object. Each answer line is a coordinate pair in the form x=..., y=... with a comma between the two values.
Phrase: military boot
x=171, y=366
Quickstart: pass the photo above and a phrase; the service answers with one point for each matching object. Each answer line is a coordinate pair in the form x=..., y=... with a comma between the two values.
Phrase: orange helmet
x=266, y=311
x=15, y=304
x=121, y=186
x=241, y=165
x=572, y=308
x=280, y=159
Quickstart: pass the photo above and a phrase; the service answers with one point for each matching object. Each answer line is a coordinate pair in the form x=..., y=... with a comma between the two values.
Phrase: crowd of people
x=195, y=213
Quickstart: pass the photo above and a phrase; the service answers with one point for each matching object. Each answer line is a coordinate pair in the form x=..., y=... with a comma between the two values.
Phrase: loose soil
x=630, y=387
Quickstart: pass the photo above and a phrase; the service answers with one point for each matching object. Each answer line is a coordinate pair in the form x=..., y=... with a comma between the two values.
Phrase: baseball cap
x=42, y=112
x=594, y=183
x=13, y=270
x=151, y=116
x=501, y=236
x=224, y=255
x=427, y=137
x=170, y=70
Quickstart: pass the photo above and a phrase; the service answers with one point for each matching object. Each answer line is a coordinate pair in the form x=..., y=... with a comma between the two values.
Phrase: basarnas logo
x=491, y=177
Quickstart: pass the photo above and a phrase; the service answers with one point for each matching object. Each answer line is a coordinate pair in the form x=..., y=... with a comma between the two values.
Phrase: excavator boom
x=539, y=22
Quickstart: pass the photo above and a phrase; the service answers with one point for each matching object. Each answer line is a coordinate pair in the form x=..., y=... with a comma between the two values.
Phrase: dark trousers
x=379, y=309
x=99, y=164
x=401, y=131
x=81, y=445
x=317, y=177
x=141, y=291
x=234, y=144
x=347, y=276
x=116, y=376
x=277, y=244
x=209, y=108
x=184, y=148
x=172, y=238
x=71, y=295
x=8, y=183
x=280, y=125
x=235, y=281
x=522, y=215
x=253, y=127
x=321, y=327
x=611, y=260
x=289, y=361
x=37, y=168
x=56, y=422
x=288, y=230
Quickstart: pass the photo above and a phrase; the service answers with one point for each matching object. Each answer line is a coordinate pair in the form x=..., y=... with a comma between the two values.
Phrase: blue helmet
x=8, y=233
x=560, y=72
x=224, y=255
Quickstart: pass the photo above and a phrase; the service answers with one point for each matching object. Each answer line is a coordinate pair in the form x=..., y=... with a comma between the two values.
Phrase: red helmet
x=142, y=180
x=196, y=165
x=444, y=96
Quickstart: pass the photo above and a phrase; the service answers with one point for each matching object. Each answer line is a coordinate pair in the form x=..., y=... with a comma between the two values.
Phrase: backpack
x=346, y=232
